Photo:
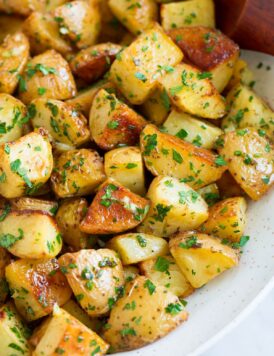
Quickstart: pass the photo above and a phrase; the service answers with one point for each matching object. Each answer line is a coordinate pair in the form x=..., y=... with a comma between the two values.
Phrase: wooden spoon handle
x=250, y=23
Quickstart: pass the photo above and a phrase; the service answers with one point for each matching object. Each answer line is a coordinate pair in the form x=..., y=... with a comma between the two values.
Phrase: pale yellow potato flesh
x=156, y=107
x=25, y=7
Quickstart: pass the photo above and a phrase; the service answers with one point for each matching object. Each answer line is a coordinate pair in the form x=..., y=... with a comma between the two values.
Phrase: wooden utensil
x=249, y=22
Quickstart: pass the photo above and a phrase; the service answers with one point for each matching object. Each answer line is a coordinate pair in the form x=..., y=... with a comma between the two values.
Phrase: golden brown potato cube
x=174, y=207
x=146, y=313
x=64, y=334
x=136, y=17
x=164, y=271
x=9, y=24
x=113, y=123
x=63, y=122
x=96, y=278
x=165, y=154
x=247, y=109
x=210, y=193
x=227, y=219
x=188, y=13
x=133, y=248
x=28, y=203
x=25, y=165
x=47, y=74
x=125, y=165
x=136, y=70
x=43, y=34
x=228, y=186
x=69, y=216
x=157, y=107
x=93, y=62
x=14, y=53
x=249, y=156
x=202, y=257
x=13, y=113
x=36, y=286
x=114, y=209
x=79, y=21
x=30, y=234
x=241, y=74
x=192, y=92
x=13, y=332
x=77, y=172
x=25, y=7
x=4, y=261
x=210, y=50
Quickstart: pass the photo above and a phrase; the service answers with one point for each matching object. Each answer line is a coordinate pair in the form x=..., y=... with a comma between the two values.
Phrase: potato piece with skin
x=164, y=271
x=156, y=107
x=201, y=257
x=174, y=207
x=12, y=118
x=188, y=13
x=79, y=21
x=125, y=165
x=241, y=74
x=210, y=193
x=114, y=209
x=64, y=334
x=43, y=34
x=249, y=157
x=96, y=278
x=133, y=248
x=186, y=127
x=93, y=62
x=139, y=66
x=145, y=314
x=13, y=333
x=36, y=286
x=25, y=7
x=113, y=123
x=25, y=165
x=227, y=219
x=14, y=53
x=247, y=109
x=4, y=261
x=228, y=187
x=77, y=173
x=165, y=154
x=30, y=234
x=191, y=91
x=51, y=72
x=61, y=120
x=136, y=17
x=28, y=203
x=9, y=24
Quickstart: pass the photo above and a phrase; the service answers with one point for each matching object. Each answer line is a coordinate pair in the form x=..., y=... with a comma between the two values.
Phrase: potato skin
x=29, y=203
x=151, y=311
x=114, y=209
x=96, y=276
x=14, y=53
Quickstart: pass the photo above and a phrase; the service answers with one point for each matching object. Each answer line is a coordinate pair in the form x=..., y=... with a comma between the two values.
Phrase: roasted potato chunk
x=114, y=209
x=112, y=122
x=13, y=333
x=202, y=257
x=134, y=248
x=96, y=278
x=227, y=219
x=191, y=91
x=13, y=113
x=77, y=172
x=228, y=187
x=200, y=133
x=64, y=334
x=125, y=165
x=241, y=75
x=25, y=7
x=210, y=193
x=93, y=62
x=136, y=70
x=188, y=13
x=247, y=109
x=36, y=286
x=174, y=207
x=9, y=24
x=47, y=74
x=136, y=18
x=30, y=234
x=210, y=50
x=28, y=203
x=164, y=271
x=14, y=53
x=79, y=21
x=62, y=121
x=165, y=154
x=157, y=107
x=249, y=156
x=4, y=261
x=145, y=314
x=25, y=165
